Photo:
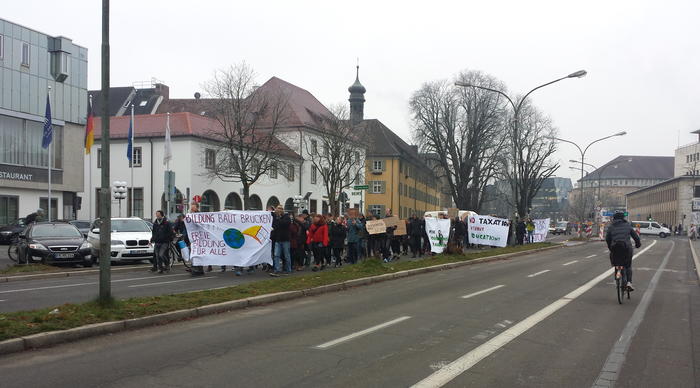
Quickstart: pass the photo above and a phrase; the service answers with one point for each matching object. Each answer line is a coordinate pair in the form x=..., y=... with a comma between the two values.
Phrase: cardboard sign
x=452, y=212
x=400, y=228
x=391, y=221
x=376, y=227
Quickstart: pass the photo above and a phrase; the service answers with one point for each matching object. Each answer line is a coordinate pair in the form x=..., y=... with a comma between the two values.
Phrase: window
x=25, y=54
x=377, y=165
x=313, y=206
x=377, y=210
x=9, y=208
x=314, y=175
x=325, y=150
x=358, y=178
x=137, y=211
x=314, y=147
x=357, y=157
x=43, y=203
x=36, y=155
x=2, y=51
x=273, y=171
x=209, y=158
x=377, y=187
x=136, y=157
x=99, y=158
x=290, y=172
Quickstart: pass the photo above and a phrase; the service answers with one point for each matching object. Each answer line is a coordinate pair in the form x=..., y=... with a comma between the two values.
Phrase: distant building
x=550, y=201
x=30, y=63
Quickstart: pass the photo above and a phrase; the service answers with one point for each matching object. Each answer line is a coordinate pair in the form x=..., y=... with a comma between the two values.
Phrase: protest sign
x=391, y=221
x=452, y=212
x=486, y=230
x=400, y=228
x=238, y=238
x=438, y=232
x=541, y=230
x=376, y=226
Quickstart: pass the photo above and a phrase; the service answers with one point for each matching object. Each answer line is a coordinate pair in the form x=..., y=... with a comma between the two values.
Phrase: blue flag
x=129, y=152
x=48, y=128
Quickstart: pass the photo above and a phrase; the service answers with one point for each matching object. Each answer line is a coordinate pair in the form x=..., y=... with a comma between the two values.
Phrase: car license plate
x=64, y=255
x=139, y=252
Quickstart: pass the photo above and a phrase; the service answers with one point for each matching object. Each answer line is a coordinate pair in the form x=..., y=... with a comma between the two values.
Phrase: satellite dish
x=197, y=95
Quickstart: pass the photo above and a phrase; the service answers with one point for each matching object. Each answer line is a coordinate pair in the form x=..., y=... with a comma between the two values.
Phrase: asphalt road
x=126, y=283
x=542, y=320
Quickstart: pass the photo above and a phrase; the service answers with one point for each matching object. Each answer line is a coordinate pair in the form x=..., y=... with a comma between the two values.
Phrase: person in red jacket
x=318, y=240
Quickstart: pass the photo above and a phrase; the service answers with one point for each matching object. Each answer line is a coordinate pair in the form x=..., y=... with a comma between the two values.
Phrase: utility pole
x=105, y=198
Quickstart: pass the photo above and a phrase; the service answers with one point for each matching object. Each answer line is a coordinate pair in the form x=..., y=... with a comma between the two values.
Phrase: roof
x=303, y=108
x=635, y=167
x=118, y=96
x=145, y=101
x=199, y=106
x=384, y=142
x=181, y=124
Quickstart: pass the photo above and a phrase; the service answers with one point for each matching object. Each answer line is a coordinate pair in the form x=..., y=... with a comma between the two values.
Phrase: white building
x=192, y=152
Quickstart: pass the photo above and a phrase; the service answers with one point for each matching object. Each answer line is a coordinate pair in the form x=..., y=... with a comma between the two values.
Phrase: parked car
x=651, y=228
x=560, y=228
x=130, y=240
x=9, y=231
x=53, y=243
x=82, y=225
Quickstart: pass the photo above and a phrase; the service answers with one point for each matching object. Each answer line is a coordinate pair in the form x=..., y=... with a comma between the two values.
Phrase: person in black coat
x=162, y=237
x=337, y=234
x=520, y=231
x=618, y=241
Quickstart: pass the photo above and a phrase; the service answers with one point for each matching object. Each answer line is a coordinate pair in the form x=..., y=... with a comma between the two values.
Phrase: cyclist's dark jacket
x=162, y=231
x=621, y=230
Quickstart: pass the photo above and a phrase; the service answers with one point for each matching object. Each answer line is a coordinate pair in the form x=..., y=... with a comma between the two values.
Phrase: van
x=462, y=213
x=651, y=228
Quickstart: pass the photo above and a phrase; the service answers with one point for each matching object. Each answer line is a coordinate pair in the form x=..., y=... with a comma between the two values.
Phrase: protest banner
x=541, y=230
x=391, y=221
x=486, y=230
x=376, y=226
x=238, y=238
x=452, y=212
x=400, y=228
x=438, y=232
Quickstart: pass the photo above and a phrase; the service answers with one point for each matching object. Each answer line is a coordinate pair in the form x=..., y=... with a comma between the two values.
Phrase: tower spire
x=357, y=97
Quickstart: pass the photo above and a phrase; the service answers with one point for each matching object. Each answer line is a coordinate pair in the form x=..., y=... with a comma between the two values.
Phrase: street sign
x=361, y=187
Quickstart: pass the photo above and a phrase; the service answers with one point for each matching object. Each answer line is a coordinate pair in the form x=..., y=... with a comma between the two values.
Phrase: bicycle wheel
x=172, y=255
x=12, y=252
x=619, y=289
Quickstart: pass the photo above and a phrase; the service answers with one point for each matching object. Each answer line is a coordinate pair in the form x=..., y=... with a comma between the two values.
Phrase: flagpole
x=133, y=129
x=167, y=166
x=50, y=144
x=91, y=192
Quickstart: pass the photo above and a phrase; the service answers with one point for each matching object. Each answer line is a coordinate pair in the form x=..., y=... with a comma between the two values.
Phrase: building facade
x=32, y=65
x=550, y=201
x=669, y=202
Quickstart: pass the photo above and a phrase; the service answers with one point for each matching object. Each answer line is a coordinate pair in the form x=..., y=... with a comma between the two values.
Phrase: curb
x=51, y=338
x=695, y=258
x=78, y=272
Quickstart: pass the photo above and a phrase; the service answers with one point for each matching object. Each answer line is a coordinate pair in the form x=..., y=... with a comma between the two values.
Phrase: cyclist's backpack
x=619, y=247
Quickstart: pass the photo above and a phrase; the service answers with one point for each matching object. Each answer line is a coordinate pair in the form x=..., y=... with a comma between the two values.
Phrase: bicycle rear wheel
x=12, y=252
x=619, y=288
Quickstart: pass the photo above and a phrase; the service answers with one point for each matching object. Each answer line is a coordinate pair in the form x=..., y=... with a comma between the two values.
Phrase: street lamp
x=516, y=113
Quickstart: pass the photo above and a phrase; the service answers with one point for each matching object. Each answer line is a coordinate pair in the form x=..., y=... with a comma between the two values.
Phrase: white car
x=131, y=240
x=651, y=228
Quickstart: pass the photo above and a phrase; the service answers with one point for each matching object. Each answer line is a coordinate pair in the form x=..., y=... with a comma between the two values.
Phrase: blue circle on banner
x=234, y=238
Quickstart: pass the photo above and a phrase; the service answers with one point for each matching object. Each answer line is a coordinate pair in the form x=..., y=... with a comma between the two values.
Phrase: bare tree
x=249, y=118
x=464, y=128
x=337, y=153
x=534, y=150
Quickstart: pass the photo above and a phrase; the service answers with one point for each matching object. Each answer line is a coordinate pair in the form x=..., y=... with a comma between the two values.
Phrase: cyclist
x=618, y=240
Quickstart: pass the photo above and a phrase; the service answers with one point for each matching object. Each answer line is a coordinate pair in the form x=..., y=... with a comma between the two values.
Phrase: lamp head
x=578, y=74
x=622, y=133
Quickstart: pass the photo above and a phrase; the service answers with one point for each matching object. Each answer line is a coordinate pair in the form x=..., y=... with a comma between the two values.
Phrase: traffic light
x=649, y=218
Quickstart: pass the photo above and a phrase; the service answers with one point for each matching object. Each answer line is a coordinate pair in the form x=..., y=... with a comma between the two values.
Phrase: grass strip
x=23, y=323
x=24, y=268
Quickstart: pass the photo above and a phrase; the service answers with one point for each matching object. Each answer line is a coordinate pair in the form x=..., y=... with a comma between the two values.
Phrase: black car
x=83, y=226
x=7, y=232
x=54, y=243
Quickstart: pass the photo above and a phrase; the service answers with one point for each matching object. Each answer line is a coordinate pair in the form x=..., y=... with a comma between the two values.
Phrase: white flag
x=168, y=151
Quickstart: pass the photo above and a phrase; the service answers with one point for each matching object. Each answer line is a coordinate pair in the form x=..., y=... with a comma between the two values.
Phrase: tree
x=533, y=148
x=337, y=153
x=246, y=146
x=464, y=129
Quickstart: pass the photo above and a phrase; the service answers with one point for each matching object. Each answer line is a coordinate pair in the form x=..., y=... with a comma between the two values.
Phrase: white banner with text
x=486, y=230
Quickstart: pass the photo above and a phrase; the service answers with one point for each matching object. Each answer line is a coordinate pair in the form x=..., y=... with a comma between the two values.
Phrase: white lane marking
x=47, y=287
x=571, y=262
x=588, y=257
x=172, y=281
x=3, y=300
x=532, y=275
x=611, y=369
x=348, y=337
x=482, y=291
x=468, y=360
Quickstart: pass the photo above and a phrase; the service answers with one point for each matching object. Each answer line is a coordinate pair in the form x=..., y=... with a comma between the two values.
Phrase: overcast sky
x=642, y=57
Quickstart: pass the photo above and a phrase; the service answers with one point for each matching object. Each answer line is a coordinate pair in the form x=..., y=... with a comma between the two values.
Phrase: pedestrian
x=280, y=235
x=459, y=232
x=404, y=240
x=355, y=228
x=37, y=216
x=520, y=231
x=318, y=241
x=162, y=237
x=197, y=270
x=297, y=240
x=337, y=233
x=415, y=231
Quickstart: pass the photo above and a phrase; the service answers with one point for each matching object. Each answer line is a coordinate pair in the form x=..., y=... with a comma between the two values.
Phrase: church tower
x=357, y=100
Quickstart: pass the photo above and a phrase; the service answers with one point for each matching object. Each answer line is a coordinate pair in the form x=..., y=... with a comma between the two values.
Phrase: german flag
x=89, y=129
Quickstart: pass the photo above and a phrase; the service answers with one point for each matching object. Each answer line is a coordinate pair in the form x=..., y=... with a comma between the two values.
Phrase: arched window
x=273, y=201
x=254, y=203
x=289, y=205
x=233, y=202
x=210, y=202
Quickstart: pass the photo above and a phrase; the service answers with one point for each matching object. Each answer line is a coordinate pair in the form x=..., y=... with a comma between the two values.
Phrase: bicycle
x=621, y=283
x=175, y=254
x=13, y=249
